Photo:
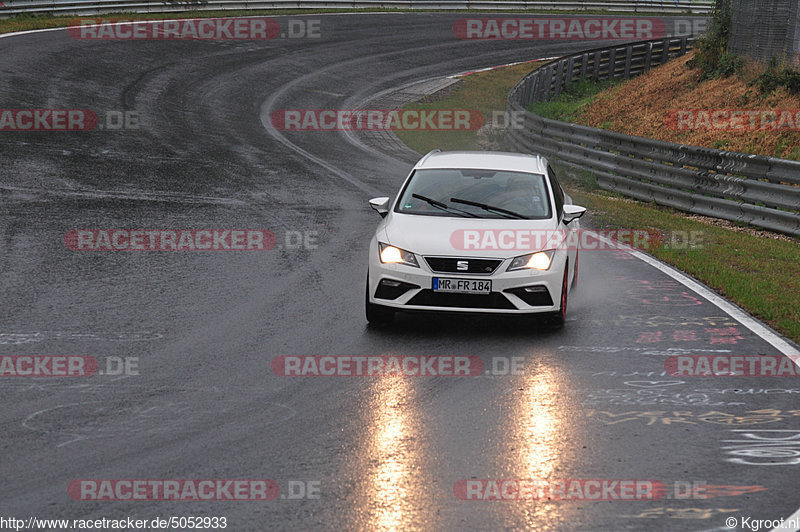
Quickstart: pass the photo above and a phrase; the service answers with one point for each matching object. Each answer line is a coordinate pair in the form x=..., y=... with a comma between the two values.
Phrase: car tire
x=575, y=273
x=560, y=317
x=376, y=314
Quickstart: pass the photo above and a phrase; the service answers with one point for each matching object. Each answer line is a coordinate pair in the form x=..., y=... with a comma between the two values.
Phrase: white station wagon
x=474, y=232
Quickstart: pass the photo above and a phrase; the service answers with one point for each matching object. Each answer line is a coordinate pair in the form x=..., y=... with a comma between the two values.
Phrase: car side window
x=558, y=194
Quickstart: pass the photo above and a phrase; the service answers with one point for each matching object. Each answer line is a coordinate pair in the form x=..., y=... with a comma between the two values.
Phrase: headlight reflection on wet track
x=539, y=436
x=393, y=457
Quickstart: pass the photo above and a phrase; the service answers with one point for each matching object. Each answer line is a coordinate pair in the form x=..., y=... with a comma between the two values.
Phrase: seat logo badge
x=462, y=265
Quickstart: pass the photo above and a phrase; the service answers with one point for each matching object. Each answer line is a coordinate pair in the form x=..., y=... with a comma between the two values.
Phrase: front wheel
x=575, y=273
x=561, y=316
x=376, y=314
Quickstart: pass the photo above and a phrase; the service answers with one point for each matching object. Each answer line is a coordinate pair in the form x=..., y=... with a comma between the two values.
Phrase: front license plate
x=461, y=286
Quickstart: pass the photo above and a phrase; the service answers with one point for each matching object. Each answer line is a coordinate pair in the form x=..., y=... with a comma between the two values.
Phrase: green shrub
x=775, y=77
x=711, y=55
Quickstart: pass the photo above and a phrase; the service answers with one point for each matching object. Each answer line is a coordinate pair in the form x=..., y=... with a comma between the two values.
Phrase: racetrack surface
x=592, y=401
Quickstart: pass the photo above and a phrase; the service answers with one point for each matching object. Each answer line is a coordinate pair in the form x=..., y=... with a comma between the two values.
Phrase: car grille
x=429, y=298
x=474, y=266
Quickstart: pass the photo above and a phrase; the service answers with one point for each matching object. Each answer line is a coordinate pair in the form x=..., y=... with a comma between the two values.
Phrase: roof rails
x=425, y=157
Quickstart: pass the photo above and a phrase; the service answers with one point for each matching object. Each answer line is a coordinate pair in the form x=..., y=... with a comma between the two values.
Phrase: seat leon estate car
x=474, y=232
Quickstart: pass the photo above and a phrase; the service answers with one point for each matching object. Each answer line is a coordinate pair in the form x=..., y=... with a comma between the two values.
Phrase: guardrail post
x=596, y=70
x=612, y=63
x=559, y=78
x=683, y=45
x=648, y=57
x=570, y=70
x=628, y=56
x=665, y=51
x=532, y=86
x=584, y=64
x=548, y=84
x=538, y=87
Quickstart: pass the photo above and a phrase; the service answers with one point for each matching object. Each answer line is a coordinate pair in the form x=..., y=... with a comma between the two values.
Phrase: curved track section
x=592, y=401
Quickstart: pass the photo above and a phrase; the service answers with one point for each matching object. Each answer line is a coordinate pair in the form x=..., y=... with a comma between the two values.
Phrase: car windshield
x=475, y=193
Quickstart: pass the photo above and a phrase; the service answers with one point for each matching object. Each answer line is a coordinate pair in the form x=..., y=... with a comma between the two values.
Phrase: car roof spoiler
x=425, y=157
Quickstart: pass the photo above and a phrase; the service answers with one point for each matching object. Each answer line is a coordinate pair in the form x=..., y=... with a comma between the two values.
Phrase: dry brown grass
x=640, y=107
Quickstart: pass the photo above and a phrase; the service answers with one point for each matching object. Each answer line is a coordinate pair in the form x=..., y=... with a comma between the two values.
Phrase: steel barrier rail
x=758, y=190
x=10, y=8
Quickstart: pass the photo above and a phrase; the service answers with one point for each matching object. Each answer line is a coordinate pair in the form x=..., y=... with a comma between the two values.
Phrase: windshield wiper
x=484, y=206
x=441, y=205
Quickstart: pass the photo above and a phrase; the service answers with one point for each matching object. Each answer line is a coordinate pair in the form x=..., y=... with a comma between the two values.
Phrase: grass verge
x=484, y=92
x=568, y=105
x=757, y=270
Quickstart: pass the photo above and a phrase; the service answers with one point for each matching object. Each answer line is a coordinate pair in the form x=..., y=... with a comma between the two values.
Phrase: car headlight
x=392, y=255
x=540, y=260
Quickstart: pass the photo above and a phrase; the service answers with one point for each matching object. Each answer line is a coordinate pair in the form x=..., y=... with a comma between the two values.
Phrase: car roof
x=485, y=160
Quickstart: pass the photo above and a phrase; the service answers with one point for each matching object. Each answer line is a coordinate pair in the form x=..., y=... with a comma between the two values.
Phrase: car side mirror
x=381, y=205
x=573, y=212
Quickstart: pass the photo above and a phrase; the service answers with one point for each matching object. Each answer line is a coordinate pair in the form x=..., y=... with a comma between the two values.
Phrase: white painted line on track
x=487, y=69
x=26, y=32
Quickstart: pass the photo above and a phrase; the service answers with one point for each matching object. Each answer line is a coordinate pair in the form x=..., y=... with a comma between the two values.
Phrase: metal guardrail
x=758, y=190
x=10, y=8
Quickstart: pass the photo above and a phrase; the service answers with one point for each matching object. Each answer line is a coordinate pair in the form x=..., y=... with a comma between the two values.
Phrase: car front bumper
x=404, y=287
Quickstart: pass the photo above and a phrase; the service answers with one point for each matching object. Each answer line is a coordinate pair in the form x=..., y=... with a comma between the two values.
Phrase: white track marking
x=487, y=69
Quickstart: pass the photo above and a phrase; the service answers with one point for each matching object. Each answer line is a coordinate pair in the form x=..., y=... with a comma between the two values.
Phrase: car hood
x=446, y=236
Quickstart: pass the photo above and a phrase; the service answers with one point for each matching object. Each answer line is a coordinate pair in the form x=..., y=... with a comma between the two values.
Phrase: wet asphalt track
x=592, y=402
